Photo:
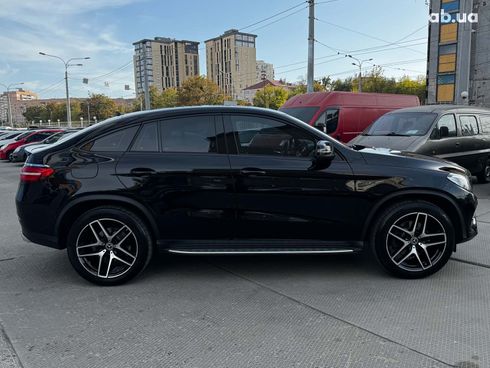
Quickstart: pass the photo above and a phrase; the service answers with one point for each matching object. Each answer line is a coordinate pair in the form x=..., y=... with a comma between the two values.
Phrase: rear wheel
x=109, y=245
x=484, y=176
x=413, y=239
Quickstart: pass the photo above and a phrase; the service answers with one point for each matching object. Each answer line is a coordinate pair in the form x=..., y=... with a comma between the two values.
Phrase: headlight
x=17, y=149
x=460, y=180
x=3, y=147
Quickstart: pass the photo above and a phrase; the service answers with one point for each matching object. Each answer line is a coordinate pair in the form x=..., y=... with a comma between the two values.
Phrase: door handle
x=252, y=171
x=458, y=144
x=142, y=171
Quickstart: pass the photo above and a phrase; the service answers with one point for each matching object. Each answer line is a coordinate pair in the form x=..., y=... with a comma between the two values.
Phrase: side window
x=448, y=121
x=193, y=134
x=485, y=123
x=261, y=136
x=118, y=141
x=469, y=125
x=329, y=119
x=147, y=139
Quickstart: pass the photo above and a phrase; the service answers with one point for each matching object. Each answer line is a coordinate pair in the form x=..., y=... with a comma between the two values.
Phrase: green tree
x=167, y=98
x=36, y=113
x=300, y=89
x=199, y=91
x=101, y=106
x=271, y=97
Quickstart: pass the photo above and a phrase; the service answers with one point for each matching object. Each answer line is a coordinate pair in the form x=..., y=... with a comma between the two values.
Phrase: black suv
x=231, y=180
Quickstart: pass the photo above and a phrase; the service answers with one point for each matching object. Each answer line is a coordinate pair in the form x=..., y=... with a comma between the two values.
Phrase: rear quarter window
x=117, y=141
x=485, y=123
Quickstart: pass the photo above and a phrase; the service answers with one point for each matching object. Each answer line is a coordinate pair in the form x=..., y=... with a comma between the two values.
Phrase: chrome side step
x=258, y=251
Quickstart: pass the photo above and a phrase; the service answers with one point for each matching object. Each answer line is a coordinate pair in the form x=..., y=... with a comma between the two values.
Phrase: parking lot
x=268, y=311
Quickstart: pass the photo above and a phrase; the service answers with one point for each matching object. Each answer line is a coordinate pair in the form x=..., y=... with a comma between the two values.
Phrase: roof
x=231, y=32
x=265, y=82
x=439, y=109
x=163, y=40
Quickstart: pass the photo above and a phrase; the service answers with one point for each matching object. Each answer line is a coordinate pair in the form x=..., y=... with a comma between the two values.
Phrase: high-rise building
x=164, y=62
x=265, y=71
x=231, y=62
x=459, y=52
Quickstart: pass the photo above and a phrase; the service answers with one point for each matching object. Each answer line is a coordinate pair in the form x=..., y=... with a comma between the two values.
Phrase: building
x=249, y=92
x=16, y=98
x=459, y=52
x=264, y=71
x=164, y=62
x=231, y=62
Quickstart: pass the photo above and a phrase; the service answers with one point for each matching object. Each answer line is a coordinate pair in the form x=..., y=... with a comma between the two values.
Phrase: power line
x=277, y=20
x=389, y=43
x=273, y=16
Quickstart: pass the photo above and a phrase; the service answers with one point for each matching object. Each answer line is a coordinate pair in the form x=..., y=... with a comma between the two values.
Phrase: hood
x=6, y=141
x=396, y=143
x=387, y=157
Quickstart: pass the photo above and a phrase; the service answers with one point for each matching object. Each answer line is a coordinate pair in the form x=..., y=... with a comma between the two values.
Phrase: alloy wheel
x=107, y=248
x=416, y=241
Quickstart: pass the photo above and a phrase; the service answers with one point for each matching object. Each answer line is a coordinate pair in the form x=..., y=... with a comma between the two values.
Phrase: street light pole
x=9, y=105
x=67, y=65
x=311, y=47
x=359, y=64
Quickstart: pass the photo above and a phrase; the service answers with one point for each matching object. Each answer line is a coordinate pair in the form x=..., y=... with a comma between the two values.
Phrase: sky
x=391, y=32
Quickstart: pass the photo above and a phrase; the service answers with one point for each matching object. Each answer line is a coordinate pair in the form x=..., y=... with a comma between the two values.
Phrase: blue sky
x=106, y=29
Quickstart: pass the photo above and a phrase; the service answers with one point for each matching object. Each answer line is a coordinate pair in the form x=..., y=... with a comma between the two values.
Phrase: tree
x=271, y=97
x=101, y=106
x=199, y=91
x=167, y=98
x=301, y=88
x=36, y=113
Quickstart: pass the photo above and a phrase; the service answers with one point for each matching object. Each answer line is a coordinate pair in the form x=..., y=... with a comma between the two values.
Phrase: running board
x=260, y=251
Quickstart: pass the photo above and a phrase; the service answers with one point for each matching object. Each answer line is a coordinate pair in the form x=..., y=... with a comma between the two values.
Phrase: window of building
x=448, y=33
x=147, y=139
x=469, y=125
x=114, y=142
x=447, y=58
x=450, y=6
x=261, y=136
x=189, y=134
x=448, y=121
x=445, y=87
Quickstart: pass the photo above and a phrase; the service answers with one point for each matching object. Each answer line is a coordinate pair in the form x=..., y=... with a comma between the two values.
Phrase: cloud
x=64, y=28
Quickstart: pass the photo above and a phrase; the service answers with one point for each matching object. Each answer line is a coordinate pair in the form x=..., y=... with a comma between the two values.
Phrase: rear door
x=178, y=167
x=448, y=148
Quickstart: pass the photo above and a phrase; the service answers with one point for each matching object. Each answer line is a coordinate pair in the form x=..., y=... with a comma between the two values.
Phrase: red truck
x=344, y=115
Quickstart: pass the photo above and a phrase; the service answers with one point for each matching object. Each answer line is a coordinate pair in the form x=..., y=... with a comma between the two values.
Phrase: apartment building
x=459, y=52
x=16, y=99
x=231, y=62
x=264, y=71
x=164, y=62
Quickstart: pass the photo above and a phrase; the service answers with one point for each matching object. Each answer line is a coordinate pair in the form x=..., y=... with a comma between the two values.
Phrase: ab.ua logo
x=446, y=18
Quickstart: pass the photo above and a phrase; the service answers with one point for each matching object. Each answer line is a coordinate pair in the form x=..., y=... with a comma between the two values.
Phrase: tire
x=104, y=260
x=404, y=230
x=484, y=176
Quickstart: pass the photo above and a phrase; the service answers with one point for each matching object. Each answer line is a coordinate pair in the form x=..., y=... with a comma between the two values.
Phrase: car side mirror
x=443, y=132
x=324, y=154
x=322, y=127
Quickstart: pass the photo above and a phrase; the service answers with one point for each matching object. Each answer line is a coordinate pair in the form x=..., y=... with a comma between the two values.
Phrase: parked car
x=344, y=115
x=10, y=137
x=194, y=181
x=28, y=137
x=20, y=153
x=457, y=133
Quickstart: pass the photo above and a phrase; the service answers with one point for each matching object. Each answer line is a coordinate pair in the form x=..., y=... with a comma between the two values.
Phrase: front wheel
x=413, y=239
x=109, y=245
x=484, y=176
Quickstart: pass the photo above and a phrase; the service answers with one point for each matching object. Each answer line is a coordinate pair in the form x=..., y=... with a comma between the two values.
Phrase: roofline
x=229, y=34
x=161, y=41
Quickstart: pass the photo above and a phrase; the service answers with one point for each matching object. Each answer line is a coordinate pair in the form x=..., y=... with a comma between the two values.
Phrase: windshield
x=23, y=135
x=402, y=124
x=302, y=113
x=10, y=136
x=53, y=138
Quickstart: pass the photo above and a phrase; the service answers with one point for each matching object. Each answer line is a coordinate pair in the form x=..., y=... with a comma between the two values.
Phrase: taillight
x=32, y=173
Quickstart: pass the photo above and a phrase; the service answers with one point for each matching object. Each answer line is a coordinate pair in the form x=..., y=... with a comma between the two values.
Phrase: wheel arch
x=445, y=202
x=81, y=205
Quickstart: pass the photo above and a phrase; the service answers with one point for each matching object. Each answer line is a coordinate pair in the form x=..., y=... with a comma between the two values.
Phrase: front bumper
x=17, y=157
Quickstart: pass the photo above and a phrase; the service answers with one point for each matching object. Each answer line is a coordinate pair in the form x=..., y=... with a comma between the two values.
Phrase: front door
x=279, y=195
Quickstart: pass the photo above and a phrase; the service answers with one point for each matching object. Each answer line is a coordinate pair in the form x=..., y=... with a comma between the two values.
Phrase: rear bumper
x=42, y=239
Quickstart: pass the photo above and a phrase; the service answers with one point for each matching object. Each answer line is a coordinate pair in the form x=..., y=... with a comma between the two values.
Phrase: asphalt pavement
x=242, y=311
